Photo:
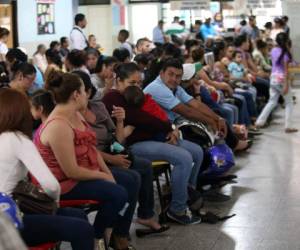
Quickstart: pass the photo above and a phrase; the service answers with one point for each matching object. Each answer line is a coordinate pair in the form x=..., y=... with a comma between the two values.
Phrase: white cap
x=189, y=71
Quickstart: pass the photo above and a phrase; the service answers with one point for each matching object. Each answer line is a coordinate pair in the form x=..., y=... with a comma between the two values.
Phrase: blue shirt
x=207, y=31
x=236, y=70
x=167, y=98
x=38, y=81
x=158, y=35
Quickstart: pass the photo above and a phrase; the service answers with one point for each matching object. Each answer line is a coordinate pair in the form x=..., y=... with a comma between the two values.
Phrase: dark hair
x=16, y=55
x=86, y=81
x=243, y=23
x=142, y=59
x=53, y=56
x=53, y=44
x=217, y=48
x=125, y=70
x=76, y=57
x=121, y=54
x=252, y=18
x=239, y=40
x=62, y=85
x=268, y=25
x=172, y=63
x=124, y=33
x=24, y=68
x=182, y=22
x=260, y=44
x=3, y=32
x=43, y=98
x=78, y=18
x=235, y=53
x=279, y=21
x=282, y=39
x=171, y=50
x=15, y=115
x=63, y=40
x=134, y=96
x=92, y=51
x=285, y=18
x=190, y=43
x=107, y=61
x=199, y=22
x=197, y=54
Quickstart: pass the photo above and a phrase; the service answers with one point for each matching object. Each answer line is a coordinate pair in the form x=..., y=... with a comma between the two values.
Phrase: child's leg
x=274, y=95
x=288, y=98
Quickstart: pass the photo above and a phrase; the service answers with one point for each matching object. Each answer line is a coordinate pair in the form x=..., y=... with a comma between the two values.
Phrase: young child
x=281, y=57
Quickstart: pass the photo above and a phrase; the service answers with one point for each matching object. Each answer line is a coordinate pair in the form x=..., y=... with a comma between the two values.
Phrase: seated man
x=166, y=91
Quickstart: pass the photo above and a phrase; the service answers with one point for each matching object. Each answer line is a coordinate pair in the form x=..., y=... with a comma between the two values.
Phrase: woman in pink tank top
x=67, y=145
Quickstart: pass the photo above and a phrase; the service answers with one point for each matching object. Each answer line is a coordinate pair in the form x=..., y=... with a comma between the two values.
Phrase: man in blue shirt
x=168, y=93
x=158, y=33
x=207, y=30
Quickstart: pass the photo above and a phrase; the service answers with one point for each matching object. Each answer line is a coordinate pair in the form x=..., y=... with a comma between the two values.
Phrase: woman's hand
x=172, y=137
x=118, y=113
x=120, y=161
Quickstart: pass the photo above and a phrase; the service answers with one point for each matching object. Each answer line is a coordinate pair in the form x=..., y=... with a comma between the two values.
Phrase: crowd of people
x=87, y=126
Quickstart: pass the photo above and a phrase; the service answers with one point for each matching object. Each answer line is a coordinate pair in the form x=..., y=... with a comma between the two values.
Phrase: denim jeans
x=244, y=117
x=275, y=92
x=186, y=159
x=112, y=197
x=146, y=195
x=251, y=105
x=262, y=86
x=131, y=181
x=235, y=111
x=69, y=224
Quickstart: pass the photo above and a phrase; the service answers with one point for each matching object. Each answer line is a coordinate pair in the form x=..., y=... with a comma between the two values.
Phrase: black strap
x=86, y=41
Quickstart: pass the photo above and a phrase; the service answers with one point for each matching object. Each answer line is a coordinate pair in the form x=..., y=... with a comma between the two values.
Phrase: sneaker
x=185, y=219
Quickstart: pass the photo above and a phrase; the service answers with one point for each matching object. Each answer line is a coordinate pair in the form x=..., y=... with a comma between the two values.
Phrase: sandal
x=290, y=130
x=148, y=231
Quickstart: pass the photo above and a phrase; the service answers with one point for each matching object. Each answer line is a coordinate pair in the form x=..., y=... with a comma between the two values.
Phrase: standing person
x=123, y=39
x=207, y=29
x=251, y=30
x=77, y=37
x=39, y=58
x=4, y=33
x=278, y=28
x=281, y=57
x=286, y=27
x=158, y=33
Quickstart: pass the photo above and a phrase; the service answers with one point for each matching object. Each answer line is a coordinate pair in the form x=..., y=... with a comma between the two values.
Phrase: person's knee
x=184, y=159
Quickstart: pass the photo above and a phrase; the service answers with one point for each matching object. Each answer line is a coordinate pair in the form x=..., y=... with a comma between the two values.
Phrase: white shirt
x=78, y=39
x=18, y=156
x=3, y=48
x=40, y=61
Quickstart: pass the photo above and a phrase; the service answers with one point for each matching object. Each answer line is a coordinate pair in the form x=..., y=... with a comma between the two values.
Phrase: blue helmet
x=221, y=159
x=10, y=208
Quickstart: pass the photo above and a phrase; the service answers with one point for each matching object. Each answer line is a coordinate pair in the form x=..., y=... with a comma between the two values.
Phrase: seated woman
x=67, y=145
x=121, y=164
x=185, y=156
x=22, y=157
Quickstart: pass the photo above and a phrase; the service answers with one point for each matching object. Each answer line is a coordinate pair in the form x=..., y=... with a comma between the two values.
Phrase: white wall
x=99, y=19
x=27, y=24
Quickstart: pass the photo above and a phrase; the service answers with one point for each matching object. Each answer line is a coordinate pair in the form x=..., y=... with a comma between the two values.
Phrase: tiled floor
x=266, y=201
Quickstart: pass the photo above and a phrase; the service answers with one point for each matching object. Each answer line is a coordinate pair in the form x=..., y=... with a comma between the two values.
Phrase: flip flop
x=290, y=130
x=145, y=232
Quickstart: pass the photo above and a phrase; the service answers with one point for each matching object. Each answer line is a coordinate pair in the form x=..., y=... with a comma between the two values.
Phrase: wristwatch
x=173, y=126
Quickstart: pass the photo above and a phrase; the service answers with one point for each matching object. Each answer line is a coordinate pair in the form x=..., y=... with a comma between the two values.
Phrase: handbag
x=32, y=199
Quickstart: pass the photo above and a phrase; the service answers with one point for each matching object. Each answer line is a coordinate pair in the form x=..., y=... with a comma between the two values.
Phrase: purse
x=32, y=199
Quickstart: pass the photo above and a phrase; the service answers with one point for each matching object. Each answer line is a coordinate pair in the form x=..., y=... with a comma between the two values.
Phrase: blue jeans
x=251, y=106
x=235, y=111
x=244, y=117
x=186, y=158
x=69, y=224
x=131, y=181
x=112, y=197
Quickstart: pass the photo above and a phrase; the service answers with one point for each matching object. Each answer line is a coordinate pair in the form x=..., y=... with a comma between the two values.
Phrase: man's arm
x=194, y=114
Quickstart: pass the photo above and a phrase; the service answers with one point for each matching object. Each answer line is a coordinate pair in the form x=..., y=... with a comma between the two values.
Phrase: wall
x=99, y=19
x=292, y=10
x=27, y=25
